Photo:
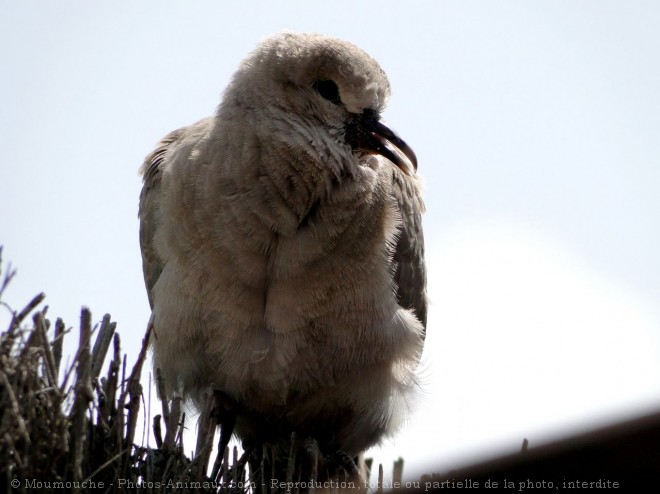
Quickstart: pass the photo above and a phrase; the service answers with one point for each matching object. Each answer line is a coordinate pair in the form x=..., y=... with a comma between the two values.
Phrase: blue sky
x=536, y=126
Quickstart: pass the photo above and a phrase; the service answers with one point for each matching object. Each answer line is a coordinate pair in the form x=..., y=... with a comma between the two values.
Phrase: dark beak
x=366, y=133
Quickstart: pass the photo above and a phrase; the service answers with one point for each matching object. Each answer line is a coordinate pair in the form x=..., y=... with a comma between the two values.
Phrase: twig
x=18, y=318
x=10, y=273
x=158, y=435
x=380, y=478
x=312, y=459
x=16, y=411
x=58, y=340
x=102, y=344
x=49, y=359
x=83, y=394
x=207, y=424
x=397, y=475
x=134, y=389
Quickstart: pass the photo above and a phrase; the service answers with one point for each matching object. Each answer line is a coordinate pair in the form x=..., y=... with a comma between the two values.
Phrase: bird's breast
x=266, y=304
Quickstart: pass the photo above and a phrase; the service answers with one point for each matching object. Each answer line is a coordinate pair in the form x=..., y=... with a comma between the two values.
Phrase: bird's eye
x=328, y=90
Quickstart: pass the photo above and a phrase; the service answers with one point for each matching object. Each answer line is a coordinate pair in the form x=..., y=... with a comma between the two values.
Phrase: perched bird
x=283, y=253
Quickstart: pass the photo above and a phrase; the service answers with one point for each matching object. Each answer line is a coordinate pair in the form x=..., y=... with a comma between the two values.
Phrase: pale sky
x=537, y=128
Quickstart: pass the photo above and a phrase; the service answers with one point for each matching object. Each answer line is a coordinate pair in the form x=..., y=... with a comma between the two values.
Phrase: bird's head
x=317, y=88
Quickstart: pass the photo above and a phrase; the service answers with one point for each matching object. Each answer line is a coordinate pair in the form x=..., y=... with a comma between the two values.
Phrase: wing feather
x=410, y=274
x=151, y=171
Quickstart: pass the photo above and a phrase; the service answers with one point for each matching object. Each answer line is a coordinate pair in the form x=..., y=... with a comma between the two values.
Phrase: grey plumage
x=282, y=250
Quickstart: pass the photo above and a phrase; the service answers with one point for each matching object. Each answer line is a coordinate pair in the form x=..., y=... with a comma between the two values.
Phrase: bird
x=283, y=251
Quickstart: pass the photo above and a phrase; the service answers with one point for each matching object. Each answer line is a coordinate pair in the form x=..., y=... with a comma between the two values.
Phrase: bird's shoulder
x=158, y=158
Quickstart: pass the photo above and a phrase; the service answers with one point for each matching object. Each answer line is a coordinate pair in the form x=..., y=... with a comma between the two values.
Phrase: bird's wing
x=178, y=142
x=151, y=171
x=410, y=274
